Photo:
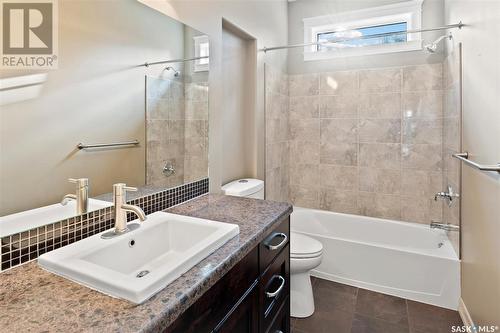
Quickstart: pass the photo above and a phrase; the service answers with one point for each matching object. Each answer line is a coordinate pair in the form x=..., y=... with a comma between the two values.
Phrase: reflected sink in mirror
x=136, y=265
x=33, y=218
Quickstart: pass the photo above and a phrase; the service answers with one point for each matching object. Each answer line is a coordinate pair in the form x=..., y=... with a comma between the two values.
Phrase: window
x=201, y=49
x=371, y=26
x=367, y=32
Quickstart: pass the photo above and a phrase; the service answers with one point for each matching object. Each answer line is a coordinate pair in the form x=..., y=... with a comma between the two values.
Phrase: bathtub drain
x=142, y=273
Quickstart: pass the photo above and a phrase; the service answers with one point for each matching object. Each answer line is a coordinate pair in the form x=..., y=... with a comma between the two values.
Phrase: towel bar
x=105, y=145
x=464, y=157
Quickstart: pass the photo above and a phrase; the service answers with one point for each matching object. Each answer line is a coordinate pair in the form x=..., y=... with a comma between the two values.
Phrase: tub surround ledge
x=32, y=299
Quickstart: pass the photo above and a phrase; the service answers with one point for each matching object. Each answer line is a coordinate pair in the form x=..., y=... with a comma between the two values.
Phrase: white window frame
x=408, y=11
x=199, y=65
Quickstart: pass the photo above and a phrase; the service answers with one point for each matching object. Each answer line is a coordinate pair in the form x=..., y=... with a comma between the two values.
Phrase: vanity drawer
x=281, y=323
x=274, y=288
x=276, y=241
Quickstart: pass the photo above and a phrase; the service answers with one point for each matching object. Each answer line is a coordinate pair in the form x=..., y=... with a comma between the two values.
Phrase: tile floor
x=345, y=309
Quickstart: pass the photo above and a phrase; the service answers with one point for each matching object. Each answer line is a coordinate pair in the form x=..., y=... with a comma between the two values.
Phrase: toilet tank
x=246, y=187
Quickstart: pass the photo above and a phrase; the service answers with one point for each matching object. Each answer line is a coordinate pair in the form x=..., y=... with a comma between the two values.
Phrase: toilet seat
x=306, y=255
x=304, y=247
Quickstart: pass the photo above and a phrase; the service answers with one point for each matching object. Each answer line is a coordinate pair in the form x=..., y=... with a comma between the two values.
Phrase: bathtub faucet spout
x=444, y=226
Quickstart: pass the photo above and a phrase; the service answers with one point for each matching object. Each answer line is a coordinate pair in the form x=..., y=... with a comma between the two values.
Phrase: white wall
x=432, y=16
x=264, y=20
x=96, y=95
x=481, y=138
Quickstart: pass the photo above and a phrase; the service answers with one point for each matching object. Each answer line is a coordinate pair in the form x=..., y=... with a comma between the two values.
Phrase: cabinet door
x=244, y=317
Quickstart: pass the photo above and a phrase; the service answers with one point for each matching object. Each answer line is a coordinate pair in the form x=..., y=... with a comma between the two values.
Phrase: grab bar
x=464, y=157
x=104, y=145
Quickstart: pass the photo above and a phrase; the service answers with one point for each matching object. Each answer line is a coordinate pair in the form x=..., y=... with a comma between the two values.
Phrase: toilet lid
x=304, y=246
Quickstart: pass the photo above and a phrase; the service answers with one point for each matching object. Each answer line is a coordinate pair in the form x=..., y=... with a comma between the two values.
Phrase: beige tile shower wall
x=176, y=131
x=277, y=135
x=196, y=132
x=165, y=131
x=451, y=136
x=368, y=142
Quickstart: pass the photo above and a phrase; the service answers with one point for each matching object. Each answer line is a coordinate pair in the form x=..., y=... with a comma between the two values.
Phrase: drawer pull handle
x=276, y=293
x=278, y=331
x=275, y=247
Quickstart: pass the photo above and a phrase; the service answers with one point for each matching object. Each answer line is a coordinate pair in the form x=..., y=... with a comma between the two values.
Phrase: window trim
x=198, y=66
x=409, y=11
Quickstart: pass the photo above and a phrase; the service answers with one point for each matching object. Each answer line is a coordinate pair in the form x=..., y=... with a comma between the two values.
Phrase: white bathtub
x=407, y=260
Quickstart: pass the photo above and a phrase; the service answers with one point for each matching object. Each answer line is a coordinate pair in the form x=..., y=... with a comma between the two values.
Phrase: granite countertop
x=35, y=300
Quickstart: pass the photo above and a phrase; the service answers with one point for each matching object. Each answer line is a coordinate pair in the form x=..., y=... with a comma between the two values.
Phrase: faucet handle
x=130, y=189
x=121, y=189
x=81, y=182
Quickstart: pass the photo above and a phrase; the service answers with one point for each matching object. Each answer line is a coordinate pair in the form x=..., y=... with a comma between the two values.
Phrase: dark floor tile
x=334, y=309
x=413, y=330
x=295, y=330
x=364, y=324
x=331, y=296
x=341, y=308
x=380, y=306
x=329, y=302
x=335, y=287
x=431, y=319
x=325, y=322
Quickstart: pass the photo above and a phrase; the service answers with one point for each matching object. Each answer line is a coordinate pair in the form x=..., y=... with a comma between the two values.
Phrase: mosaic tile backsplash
x=22, y=247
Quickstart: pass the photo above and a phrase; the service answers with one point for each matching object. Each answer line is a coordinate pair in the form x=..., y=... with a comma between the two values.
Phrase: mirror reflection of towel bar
x=464, y=157
x=106, y=145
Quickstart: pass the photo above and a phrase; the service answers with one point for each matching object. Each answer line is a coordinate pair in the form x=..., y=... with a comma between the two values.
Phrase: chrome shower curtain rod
x=147, y=64
x=458, y=25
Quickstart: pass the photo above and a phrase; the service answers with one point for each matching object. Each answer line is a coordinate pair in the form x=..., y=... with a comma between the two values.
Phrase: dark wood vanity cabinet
x=253, y=297
x=245, y=315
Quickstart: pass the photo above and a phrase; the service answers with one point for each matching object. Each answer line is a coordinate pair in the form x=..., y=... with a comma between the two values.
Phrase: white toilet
x=305, y=252
x=305, y=255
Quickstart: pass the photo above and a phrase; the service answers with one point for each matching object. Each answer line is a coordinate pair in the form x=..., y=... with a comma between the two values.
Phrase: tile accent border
x=26, y=246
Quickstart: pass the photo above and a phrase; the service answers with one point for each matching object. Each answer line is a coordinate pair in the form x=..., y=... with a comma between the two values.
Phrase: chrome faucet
x=444, y=226
x=120, y=211
x=81, y=195
x=449, y=196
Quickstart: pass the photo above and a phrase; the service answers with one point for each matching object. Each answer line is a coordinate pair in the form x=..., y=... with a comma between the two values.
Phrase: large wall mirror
x=102, y=93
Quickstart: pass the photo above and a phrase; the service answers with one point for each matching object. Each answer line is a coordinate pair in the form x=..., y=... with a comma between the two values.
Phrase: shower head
x=176, y=72
x=432, y=47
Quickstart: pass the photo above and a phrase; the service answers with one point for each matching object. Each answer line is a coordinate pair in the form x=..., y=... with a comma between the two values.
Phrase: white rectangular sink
x=138, y=264
x=34, y=218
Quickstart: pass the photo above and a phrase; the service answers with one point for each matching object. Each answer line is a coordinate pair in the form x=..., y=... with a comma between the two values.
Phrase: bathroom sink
x=33, y=218
x=136, y=265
